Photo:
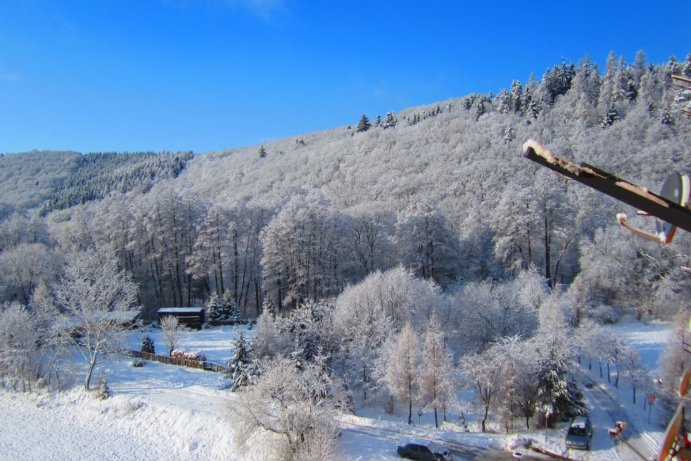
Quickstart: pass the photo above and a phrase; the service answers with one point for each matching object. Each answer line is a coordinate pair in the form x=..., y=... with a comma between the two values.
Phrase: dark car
x=579, y=434
x=424, y=453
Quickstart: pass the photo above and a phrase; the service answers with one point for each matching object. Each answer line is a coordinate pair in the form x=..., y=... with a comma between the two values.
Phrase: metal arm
x=613, y=186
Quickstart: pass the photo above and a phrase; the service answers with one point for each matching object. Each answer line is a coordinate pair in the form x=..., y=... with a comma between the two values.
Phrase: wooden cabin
x=191, y=317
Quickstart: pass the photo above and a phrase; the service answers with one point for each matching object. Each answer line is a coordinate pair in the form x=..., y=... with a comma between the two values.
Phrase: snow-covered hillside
x=163, y=412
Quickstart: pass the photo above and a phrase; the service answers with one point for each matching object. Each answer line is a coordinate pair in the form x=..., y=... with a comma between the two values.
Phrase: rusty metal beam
x=611, y=185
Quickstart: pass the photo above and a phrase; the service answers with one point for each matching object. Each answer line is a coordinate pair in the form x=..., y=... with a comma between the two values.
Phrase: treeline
x=448, y=197
x=98, y=174
x=27, y=180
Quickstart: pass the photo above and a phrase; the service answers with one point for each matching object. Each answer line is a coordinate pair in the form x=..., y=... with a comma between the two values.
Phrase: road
x=460, y=452
x=638, y=446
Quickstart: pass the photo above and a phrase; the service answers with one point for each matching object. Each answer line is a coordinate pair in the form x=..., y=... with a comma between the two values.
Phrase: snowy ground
x=163, y=412
x=609, y=404
x=216, y=343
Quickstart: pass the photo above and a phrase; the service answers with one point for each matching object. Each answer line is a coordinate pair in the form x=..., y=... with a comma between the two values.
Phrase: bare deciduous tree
x=94, y=293
x=437, y=372
x=171, y=328
x=293, y=406
x=401, y=372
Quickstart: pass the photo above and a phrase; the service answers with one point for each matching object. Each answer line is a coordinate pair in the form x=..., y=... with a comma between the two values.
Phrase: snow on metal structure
x=668, y=210
x=672, y=208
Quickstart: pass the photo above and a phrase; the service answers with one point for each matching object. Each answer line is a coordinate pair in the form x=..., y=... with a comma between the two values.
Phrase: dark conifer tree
x=363, y=124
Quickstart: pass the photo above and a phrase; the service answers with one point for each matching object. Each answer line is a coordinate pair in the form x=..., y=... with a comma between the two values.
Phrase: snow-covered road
x=637, y=446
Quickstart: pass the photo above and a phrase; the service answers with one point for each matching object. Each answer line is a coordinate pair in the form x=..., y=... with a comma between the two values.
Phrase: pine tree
x=610, y=117
x=230, y=310
x=390, y=121
x=242, y=368
x=363, y=124
x=148, y=345
x=558, y=395
x=214, y=308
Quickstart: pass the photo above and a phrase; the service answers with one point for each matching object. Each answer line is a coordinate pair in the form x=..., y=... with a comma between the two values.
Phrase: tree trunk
x=484, y=419
x=410, y=411
x=410, y=402
x=609, y=380
x=87, y=380
x=548, y=256
x=236, y=269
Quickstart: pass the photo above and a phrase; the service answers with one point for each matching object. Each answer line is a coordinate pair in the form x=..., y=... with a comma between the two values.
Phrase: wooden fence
x=208, y=366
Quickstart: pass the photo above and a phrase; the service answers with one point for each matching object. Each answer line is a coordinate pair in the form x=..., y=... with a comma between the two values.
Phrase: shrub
x=103, y=391
x=148, y=345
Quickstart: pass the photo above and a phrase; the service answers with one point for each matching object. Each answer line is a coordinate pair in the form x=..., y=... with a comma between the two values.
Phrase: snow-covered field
x=163, y=412
x=216, y=343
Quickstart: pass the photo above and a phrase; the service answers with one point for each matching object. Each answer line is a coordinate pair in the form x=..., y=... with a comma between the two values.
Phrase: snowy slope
x=162, y=412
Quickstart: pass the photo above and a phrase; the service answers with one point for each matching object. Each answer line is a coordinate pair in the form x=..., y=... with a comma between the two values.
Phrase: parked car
x=424, y=452
x=580, y=433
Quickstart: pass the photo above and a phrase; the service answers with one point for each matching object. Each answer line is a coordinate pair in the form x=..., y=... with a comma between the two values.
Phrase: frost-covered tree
x=526, y=383
x=94, y=291
x=44, y=312
x=372, y=228
x=214, y=308
x=482, y=373
x=23, y=267
x=389, y=121
x=147, y=345
x=267, y=341
x=365, y=315
x=428, y=245
x=308, y=330
x=558, y=394
x=303, y=251
x=19, y=361
x=635, y=371
x=291, y=408
x=490, y=311
x=231, y=313
x=436, y=380
x=401, y=372
x=243, y=369
x=210, y=247
x=172, y=330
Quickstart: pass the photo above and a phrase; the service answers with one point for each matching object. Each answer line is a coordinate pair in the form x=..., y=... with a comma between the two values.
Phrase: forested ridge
x=58, y=180
x=27, y=180
x=406, y=255
x=441, y=189
x=98, y=174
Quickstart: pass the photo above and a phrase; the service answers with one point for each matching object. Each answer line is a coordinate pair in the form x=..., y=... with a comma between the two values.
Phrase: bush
x=148, y=345
x=604, y=314
x=103, y=391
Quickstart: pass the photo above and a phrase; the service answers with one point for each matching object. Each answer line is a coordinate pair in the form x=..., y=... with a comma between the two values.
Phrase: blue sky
x=132, y=75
